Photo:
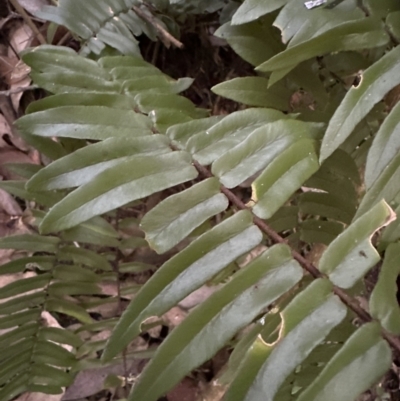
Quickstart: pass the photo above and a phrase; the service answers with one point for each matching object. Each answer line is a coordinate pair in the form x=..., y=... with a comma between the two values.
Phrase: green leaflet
x=176, y=217
x=25, y=170
x=249, y=40
x=304, y=326
x=326, y=205
x=331, y=195
x=359, y=364
x=95, y=231
x=353, y=35
x=392, y=21
x=230, y=131
x=298, y=24
x=320, y=231
x=81, y=166
x=30, y=242
x=43, y=59
x=392, y=232
x=385, y=187
x=84, y=257
x=215, y=321
x=283, y=176
x=184, y=273
x=156, y=84
x=112, y=100
x=17, y=188
x=117, y=186
x=19, y=265
x=383, y=8
x=260, y=149
x=250, y=10
x=254, y=91
x=383, y=303
x=351, y=254
x=385, y=147
x=85, y=122
x=107, y=23
x=181, y=133
x=376, y=81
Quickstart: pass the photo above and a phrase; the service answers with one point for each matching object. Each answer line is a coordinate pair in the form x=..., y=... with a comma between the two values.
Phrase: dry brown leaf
x=89, y=382
x=175, y=316
x=198, y=296
x=39, y=397
x=12, y=156
x=186, y=390
x=9, y=204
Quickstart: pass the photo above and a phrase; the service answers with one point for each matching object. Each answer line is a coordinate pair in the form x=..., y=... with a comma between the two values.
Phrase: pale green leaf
x=84, y=164
x=250, y=10
x=42, y=60
x=376, y=81
x=181, y=133
x=260, y=149
x=157, y=84
x=230, y=131
x=117, y=186
x=298, y=24
x=353, y=35
x=250, y=42
x=359, y=364
x=214, y=322
x=85, y=122
x=283, y=176
x=184, y=273
x=111, y=100
x=383, y=304
x=350, y=256
x=176, y=217
x=254, y=91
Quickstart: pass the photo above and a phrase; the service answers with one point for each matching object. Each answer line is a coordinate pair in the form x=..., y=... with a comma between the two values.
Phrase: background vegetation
x=206, y=200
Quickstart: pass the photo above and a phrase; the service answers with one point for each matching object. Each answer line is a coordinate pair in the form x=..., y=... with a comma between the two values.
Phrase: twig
x=29, y=21
x=165, y=36
x=349, y=301
x=18, y=90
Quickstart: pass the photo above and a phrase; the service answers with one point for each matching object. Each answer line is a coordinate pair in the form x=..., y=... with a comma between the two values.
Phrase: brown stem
x=165, y=36
x=349, y=301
